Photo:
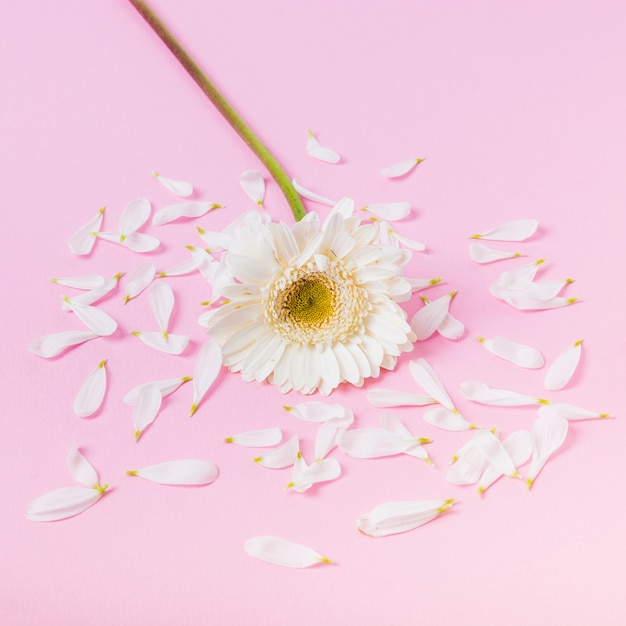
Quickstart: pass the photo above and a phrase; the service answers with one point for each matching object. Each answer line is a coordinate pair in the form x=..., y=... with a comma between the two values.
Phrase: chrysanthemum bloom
x=313, y=305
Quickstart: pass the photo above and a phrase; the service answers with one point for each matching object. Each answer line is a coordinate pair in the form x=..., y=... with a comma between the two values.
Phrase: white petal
x=441, y=417
x=95, y=319
x=147, y=408
x=519, y=446
x=549, y=432
x=177, y=187
x=424, y=375
x=468, y=463
x=317, y=151
x=138, y=280
x=523, y=302
x=451, y=328
x=134, y=215
x=208, y=365
x=344, y=207
x=480, y=392
x=181, y=269
x=185, y=209
x=516, y=230
x=253, y=184
x=174, y=344
x=371, y=443
x=138, y=242
x=480, y=253
x=391, y=211
x=92, y=281
x=257, y=438
x=81, y=242
x=81, y=469
x=400, y=169
x=570, y=412
x=90, y=395
x=417, y=284
x=329, y=432
x=162, y=304
x=563, y=368
x=63, y=503
x=412, y=244
x=518, y=278
x=426, y=321
x=282, y=456
x=53, y=344
x=391, y=518
x=305, y=476
x=516, y=353
x=384, y=398
x=283, y=552
x=95, y=295
x=182, y=472
x=311, y=195
x=496, y=454
x=315, y=411
x=166, y=387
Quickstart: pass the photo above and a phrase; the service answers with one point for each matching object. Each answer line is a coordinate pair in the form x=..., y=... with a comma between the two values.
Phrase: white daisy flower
x=313, y=305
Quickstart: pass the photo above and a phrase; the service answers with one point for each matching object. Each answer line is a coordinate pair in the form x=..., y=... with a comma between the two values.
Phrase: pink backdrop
x=519, y=111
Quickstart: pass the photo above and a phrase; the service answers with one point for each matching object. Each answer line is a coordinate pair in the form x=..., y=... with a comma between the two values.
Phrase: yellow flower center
x=310, y=300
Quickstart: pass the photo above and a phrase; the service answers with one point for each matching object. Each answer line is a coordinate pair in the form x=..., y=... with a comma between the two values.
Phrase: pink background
x=519, y=111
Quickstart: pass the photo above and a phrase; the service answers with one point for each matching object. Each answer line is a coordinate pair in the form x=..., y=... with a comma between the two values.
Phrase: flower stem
x=222, y=105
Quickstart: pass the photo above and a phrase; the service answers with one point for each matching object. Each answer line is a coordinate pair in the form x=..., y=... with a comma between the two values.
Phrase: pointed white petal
x=185, y=209
x=181, y=269
x=81, y=469
x=63, y=503
x=257, y=438
x=305, y=476
x=329, y=432
x=315, y=411
x=371, y=443
x=468, y=463
x=417, y=284
x=441, y=417
x=549, y=432
x=283, y=552
x=480, y=392
x=518, y=278
x=317, y=151
x=425, y=376
x=480, y=253
x=81, y=242
x=390, y=236
x=519, y=446
x=54, y=344
x=516, y=230
x=451, y=328
x=426, y=321
x=253, y=184
x=138, y=242
x=390, y=518
x=546, y=290
x=523, y=302
x=516, y=353
x=138, y=280
x=345, y=208
x=391, y=211
x=147, y=408
x=400, y=169
x=134, y=215
x=162, y=304
x=385, y=398
x=91, y=393
x=174, y=344
x=496, y=454
x=178, y=187
x=182, y=472
x=95, y=319
x=282, y=456
x=95, y=295
x=208, y=365
x=570, y=412
x=311, y=195
x=92, y=281
x=166, y=387
x=563, y=368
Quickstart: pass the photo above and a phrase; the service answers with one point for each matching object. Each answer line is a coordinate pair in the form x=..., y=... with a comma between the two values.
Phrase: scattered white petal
x=208, y=365
x=317, y=151
x=563, y=368
x=451, y=328
x=549, y=432
x=386, y=398
x=390, y=236
x=425, y=376
x=426, y=321
x=177, y=187
x=91, y=393
x=95, y=319
x=315, y=411
x=95, y=295
x=147, y=408
x=329, y=432
x=138, y=242
x=253, y=184
x=570, y=412
x=523, y=302
x=480, y=253
x=400, y=169
x=417, y=284
x=305, y=476
x=185, y=209
x=181, y=269
x=518, y=278
x=166, y=387
x=440, y=417
x=516, y=230
x=63, y=503
x=54, y=344
x=81, y=469
x=174, y=344
x=182, y=472
x=516, y=353
x=372, y=443
x=81, y=242
x=468, y=463
x=391, y=211
x=257, y=438
x=311, y=195
x=134, y=215
x=519, y=446
x=138, y=280
x=162, y=304
x=496, y=454
x=482, y=393
x=92, y=281
x=283, y=552
x=280, y=457
x=395, y=517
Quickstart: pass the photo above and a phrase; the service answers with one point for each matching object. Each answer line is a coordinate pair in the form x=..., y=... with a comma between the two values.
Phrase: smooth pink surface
x=519, y=111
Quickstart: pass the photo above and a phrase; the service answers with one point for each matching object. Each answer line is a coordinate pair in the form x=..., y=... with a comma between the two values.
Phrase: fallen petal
x=208, y=365
x=564, y=367
x=138, y=280
x=391, y=211
x=426, y=321
x=95, y=319
x=134, y=215
x=253, y=184
x=317, y=151
x=162, y=304
x=81, y=469
x=480, y=392
x=63, y=503
x=147, y=408
x=482, y=254
x=174, y=344
x=440, y=417
x=283, y=552
x=516, y=353
x=570, y=412
x=177, y=187
x=305, y=476
x=166, y=387
x=92, y=281
x=372, y=443
x=183, y=472
x=91, y=393
x=315, y=411
x=311, y=195
x=185, y=209
x=400, y=169
x=54, y=344
x=386, y=398
x=280, y=457
x=138, y=242
x=519, y=446
x=425, y=376
x=549, y=432
x=81, y=242
x=516, y=230
x=329, y=432
x=95, y=295
x=257, y=438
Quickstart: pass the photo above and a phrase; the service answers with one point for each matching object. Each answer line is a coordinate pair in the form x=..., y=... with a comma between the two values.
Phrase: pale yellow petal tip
x=54, y=280
x=161, y=275
x=101, y=211
x=190, y=248
x=103, y=363
x=480, y=491
x=543, y=401
x=429, y=461
x=206, y=303
x=454, y=459
x=193, y=409
x=137, y=435
x=481, y=339
x=569, y=281
x=453, y=293
x=259, y=202
x=186, y=379
x=603, y=415
x=127, y=299
x=540, y=261
x=290, y=485
x=446, y=505
x=473, y=426
x=518, y=254
x=200, y=231
x=516, y=474
x=578, y=343
x=423, y=440
x=434, y=281
x=155, y=174
x=325, y=559
x=287, y=408
x=135, y=332
x=529, y=483
x=419, y=160
x=131, y=472
x=118, y=275
x=572, y=300
x=229, y=439
x=258, y=459
x=101, y=488
x=479, y=236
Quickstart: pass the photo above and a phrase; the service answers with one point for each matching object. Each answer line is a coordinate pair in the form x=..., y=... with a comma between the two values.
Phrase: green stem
x=233, y=118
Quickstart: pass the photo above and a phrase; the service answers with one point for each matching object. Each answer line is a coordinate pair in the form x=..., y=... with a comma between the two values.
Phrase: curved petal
x=480, y=392
x=253, y=184
x=426, y=321
x=425, y=376
x=386, y=398
x=138, y=242
x=81, y=242
x=391, y=211
x=283, y=552
x=516, y=230
x=174, y=344
x=517, y=353
x=257, y=438
x=147, y=408
x=208, y=365
x=317, y=151
x=549, y=432
x=185, y=209
x=280, y=457
x=166, y=387
x=400, y=169
x=54, y=344
x=315, y=411
x=182, y=472
x=63, y=503
x=440, y=417
x=177, y=187
x=162, y=303
x=480, y=253
x=81, y=469
x=311, y=195
x=138, y=280
x=134, y=215
x=91, y=281
x=564, y=367
x=95, y=319
x=91, y=393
